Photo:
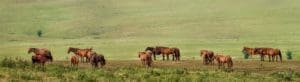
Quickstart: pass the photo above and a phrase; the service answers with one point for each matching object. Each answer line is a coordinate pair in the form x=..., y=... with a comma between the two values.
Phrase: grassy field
x=121, y=28
x=162, y=71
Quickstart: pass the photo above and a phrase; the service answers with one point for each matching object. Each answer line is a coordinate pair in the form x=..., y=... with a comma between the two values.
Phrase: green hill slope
x=107, y=25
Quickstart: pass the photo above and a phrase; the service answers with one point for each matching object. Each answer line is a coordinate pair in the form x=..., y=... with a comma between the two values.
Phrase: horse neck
x=74, y=50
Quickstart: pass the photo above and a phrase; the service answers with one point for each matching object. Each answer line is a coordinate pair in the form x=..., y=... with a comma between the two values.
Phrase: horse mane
x=71, y=49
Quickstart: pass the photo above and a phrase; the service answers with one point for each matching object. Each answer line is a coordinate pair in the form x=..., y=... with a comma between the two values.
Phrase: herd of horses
x=209, y=57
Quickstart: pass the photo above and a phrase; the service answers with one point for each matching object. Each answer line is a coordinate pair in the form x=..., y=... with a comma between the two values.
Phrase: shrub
x=289, y=55
x=246, y=55
x=39, y=33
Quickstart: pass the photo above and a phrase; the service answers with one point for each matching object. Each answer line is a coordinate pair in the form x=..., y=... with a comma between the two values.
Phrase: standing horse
x=80, y=52
x=146, y=57
x=39, y=59
x=261, y=52
x=44, y=52
x=97, y=58
x=74, y=60
x=221, y=59
x=248, y=51
x=272, y=53
x=165, y=51
x=207, y=57
x=176, y=54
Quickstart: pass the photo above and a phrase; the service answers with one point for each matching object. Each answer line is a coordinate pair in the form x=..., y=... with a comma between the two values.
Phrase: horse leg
x=173, y=57
x=269, y=58
x=167, y=57
x=163, y=56
x=154, y=56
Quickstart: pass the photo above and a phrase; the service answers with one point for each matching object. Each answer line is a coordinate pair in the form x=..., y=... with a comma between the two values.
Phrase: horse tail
x=103, y=60
x=50, y=56
x=230, y=62
x=280, y=56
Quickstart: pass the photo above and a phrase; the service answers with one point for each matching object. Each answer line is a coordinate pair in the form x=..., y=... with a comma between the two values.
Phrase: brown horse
x=74, y=60
x=97, y=58
x=39, y=59
x=249, y=51
x=272, y=53
x=165, y=51
x=176, y=54
x=81, y=53
x=44, y=52
x=221, y=59
x=146, y=57
x=207, y=57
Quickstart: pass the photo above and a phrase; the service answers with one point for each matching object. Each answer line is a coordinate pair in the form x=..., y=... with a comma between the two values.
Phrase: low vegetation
x=16, y=69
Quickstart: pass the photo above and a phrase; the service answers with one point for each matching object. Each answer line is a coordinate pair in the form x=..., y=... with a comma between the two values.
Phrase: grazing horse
x=44, y=52
x=74, y=60
x=176, y=54
x=80, y=52
x=249, y=51
x=207, y=57
x=146, y=57
x=221, y=59
x=39, y=59
x=97, y=58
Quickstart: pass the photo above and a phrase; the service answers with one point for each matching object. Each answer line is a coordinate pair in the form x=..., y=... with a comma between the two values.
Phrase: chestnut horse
x=165, y=51
x=97, y=58
x=81, y=53
x=146, y=57
x=207, y=57
x=249, y=51
x=44, y=52
x=272, y=53
x=221, y=59
x=74, y=60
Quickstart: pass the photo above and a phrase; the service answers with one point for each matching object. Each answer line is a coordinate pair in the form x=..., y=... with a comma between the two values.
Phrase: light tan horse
x=222, y=59
x=74, y=60
x=146, y=58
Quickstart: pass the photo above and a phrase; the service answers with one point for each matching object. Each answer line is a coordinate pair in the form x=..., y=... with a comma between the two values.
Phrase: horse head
x=31, y=50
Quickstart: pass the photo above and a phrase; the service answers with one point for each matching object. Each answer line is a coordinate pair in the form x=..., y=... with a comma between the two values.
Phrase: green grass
x=120, y=29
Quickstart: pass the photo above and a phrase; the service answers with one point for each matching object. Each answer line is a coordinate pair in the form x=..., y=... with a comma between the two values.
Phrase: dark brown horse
x=146, y=57
x=82, y=53
x=44, y=52
x=97, y=58
x=207, y=56
x=176, y=54
x=39, y=59
x=222, y=59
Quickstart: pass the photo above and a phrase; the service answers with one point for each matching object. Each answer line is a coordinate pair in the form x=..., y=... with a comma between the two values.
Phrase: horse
x=74, y=60
x=153, y=50
x=207, y=57
x=44, y=52
x=221, y=59
x=96, y=58
x=272, y=53
x=165, y=51
x=176, y=54
x=249, y=51
x=80, y=52
x=39, y=59
x=146, y=57
x=261, y=52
